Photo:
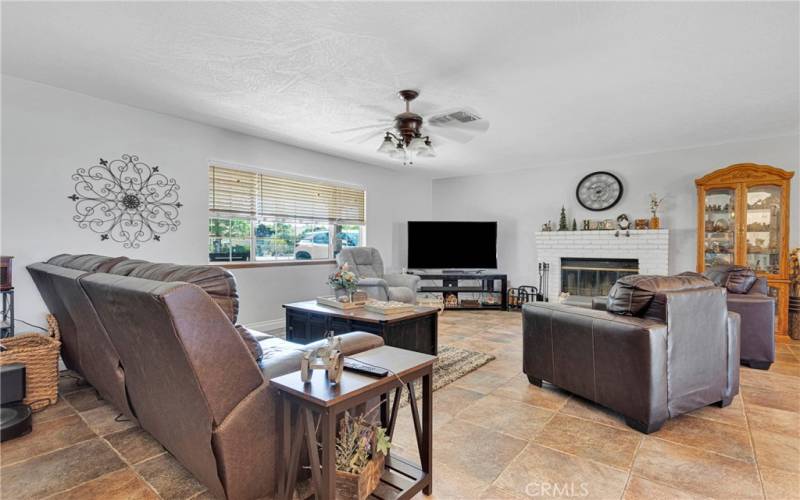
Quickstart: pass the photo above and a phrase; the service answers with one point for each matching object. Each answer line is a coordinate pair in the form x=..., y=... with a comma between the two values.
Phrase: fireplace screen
x=591, y=277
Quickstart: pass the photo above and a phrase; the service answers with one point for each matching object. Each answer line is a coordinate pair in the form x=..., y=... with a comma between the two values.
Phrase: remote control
x=357, y=366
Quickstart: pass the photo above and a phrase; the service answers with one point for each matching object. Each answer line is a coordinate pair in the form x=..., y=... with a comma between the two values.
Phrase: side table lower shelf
x=399, y=477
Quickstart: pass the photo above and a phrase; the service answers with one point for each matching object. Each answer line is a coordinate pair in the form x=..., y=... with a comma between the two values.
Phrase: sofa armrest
x=405, y=280
x=733, y=336
x=757, y=326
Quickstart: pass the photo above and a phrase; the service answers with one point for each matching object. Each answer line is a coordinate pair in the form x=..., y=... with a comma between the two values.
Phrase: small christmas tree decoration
x=574, y=224
x=562, y=221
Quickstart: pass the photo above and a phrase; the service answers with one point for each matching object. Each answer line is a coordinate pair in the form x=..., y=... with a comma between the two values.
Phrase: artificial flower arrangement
x=343, y=278
x=361, y=447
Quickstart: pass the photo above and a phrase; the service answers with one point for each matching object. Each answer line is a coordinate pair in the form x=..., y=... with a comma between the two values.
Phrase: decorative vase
x=655, y=222
x=360, y=486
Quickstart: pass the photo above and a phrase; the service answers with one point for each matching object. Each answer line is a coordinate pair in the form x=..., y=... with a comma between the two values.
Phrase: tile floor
x=496, y=436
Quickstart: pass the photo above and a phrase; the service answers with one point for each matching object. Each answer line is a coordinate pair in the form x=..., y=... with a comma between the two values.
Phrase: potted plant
x=361, y=448
x=343, y=281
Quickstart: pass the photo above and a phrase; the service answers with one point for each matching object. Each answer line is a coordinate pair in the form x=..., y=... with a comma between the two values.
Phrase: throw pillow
x=740, y=280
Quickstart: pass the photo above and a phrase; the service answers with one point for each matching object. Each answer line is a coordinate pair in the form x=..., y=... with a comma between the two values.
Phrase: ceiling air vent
x=461, y=116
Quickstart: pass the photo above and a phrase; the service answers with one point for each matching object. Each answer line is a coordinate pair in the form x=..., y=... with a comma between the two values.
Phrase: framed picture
x=641, y=224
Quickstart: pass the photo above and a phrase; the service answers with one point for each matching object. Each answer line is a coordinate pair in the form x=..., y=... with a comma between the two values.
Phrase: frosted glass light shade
x=387, y=146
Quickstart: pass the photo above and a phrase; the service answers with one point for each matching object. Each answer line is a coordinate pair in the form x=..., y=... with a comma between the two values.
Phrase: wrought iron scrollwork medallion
x=126, y=201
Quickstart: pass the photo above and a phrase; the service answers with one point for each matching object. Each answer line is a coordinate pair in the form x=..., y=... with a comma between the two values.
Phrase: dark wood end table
x=321, y=403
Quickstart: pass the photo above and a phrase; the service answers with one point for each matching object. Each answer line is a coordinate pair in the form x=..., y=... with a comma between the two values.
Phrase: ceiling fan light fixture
x=427, y=150
x=387, y=146
x=417, y=144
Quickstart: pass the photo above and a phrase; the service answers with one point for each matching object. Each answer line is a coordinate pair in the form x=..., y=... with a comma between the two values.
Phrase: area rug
x=451, y=364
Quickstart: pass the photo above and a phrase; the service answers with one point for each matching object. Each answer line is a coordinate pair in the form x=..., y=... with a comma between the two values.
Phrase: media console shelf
x=451, y=285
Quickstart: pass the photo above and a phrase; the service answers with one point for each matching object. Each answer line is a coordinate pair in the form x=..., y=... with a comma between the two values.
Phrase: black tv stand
x=451, y=286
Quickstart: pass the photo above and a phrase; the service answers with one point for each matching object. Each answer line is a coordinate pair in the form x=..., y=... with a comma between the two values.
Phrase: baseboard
x=268, y=326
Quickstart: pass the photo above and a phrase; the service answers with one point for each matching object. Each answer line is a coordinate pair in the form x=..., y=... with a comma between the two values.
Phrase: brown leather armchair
x=159, y=342
x=748, y=295
x=666, y=346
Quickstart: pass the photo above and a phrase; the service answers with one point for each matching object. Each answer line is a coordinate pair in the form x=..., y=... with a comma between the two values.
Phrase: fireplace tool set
x=544, y=279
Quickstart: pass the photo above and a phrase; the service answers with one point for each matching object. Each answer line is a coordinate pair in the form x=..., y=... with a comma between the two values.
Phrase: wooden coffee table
x=416, y=330
x=317, y=405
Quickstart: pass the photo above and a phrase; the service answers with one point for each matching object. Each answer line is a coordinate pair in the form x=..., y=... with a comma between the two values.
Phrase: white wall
x=48, y=133
x=521, y=201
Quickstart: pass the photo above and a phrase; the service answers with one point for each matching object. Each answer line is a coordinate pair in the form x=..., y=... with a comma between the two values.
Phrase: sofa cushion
x=642, y=295
x=740, y=280
x=216, y=281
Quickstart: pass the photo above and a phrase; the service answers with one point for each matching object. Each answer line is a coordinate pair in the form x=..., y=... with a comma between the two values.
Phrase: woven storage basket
x=39, y=354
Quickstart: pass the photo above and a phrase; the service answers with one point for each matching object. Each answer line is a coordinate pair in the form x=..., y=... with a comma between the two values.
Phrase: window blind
x=245, y=193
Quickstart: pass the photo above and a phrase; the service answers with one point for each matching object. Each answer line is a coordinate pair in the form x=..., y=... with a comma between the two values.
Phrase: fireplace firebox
x=590, y=277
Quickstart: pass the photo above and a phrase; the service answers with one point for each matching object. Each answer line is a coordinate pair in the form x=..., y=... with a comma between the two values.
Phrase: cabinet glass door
x=720, y=226
x=764, y=229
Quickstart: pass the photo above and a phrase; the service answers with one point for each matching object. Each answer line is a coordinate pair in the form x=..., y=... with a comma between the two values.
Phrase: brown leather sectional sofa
x=665, y=346
x=160, y=343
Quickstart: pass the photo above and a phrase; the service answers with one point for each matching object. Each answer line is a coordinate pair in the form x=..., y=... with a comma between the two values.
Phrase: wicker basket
x=39, y=354
x=360, y=486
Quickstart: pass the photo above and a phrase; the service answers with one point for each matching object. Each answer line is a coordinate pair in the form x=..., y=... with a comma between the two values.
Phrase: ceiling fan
x=404, y=139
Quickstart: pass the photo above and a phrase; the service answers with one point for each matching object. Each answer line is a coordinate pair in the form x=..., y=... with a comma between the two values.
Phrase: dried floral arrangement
x=655, y=203
x=794, y=272
x=359, y=440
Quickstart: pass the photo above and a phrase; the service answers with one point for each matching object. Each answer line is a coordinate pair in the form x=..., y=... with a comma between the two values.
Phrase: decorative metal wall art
x=126, y=200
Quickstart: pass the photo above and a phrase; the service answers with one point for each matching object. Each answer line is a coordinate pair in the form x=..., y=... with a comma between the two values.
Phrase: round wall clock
x=599, y=191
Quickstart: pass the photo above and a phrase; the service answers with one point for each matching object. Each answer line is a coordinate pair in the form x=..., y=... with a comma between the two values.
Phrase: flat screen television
x=452, y=245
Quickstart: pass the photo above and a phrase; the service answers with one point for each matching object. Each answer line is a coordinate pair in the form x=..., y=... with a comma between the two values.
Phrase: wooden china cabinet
x=743, y=218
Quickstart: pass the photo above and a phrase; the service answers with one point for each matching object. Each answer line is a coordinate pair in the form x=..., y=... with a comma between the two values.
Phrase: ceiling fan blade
x=381, y=110
x=378, y=125
x=362, y=138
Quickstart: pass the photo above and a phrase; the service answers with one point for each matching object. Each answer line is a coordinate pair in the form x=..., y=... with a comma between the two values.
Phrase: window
x=262, y=217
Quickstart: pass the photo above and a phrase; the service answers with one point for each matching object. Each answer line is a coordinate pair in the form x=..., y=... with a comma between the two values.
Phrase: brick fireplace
x=648, y=248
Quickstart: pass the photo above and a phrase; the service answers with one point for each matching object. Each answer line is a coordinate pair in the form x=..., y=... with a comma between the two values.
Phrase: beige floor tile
x=583, y=408
x=780, y=421
x=52, y=412
x=709, y=435
x=779, y=484
x=481, y=381
x=123, y=484
x=791, y=369
x=452, y=399
x=511, y=417
x=519, y=388
x=733, y=414
x=474, y=451
x=640, y=488
x=170, y=480
x=769, y=380
x=779, y=451
x=587, y=439
x=85, y=399
x=696, y=470
x=541, y=472
x=134, y=444
x=778, y=399
x=452, y=484
x=496, y=493
x=45, y=438
x=106, y=419
x=57, y=471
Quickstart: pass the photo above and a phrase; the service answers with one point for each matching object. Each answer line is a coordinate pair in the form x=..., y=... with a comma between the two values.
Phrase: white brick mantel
x=650, y=247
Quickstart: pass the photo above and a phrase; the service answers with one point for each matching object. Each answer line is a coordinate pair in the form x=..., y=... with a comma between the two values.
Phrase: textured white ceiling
x=558, y=81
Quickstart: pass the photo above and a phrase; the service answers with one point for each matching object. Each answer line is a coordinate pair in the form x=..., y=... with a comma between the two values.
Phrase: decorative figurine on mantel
x=574, y=224
x=562, y=220
x=547, y=226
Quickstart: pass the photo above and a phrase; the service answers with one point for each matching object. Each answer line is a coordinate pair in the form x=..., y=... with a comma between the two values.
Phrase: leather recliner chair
x=159, y=342
x=666, y=346
x=748, y=295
